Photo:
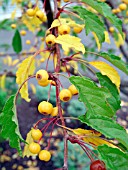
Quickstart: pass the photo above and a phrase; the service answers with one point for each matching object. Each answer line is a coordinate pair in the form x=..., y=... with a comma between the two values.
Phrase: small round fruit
x=55, y=111
x=65, y=95
x=13, y=26
x=28, y=42
x=23, y=32
x=73, y=90
x=77, y=30
x=111, y=29
x=66, y=0
x=45, y=107
x=43, y=83
x=64, y=29
x=125, y=1
x=50, y=39
x=122, y=6
x=53, y=83
x=42, y=75
x=40, y=15
x=97, y=165
x=34, y=148
x=30, y=12
x=44, y=155
x=45, y=18
x=36, y=134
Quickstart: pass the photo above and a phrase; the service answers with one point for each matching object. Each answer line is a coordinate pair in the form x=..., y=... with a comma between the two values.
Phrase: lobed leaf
x=105, y=10
x=16, y=42
x=108, y=70
x=115, y=99
x=92, y=23
x=68, y=41
x=94, y=97
x=27, y=68
x=116, y=61
x=113, y=157
x=9, y=124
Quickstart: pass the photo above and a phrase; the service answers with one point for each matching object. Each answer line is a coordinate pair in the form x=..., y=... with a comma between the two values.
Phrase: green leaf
x=116, y=61
x=16, y=42
x=107, y=127
x=106, y=11
x=9, y=123
x=114, y=101
x=92, y=22
x=41, y=33
x=95, y=98
x=113, y=158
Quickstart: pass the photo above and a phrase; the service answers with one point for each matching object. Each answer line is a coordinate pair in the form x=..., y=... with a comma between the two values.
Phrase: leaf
x=116, y=61
x=29, y=140
x=107, y=70
x=92, y=23
x=106, y=11
x=27, y=68
x=97, y=41
x=107, y=39
x=2, y=81
x=115, y=99
x=120, y=41
x=16, y=42
x=98, y=109
x=106, y=126
x=92, y=137
x=68, y=41
x=113, y=158
x=94, y=97
x=9, y=124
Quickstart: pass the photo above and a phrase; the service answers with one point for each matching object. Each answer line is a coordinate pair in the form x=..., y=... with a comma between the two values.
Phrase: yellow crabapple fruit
x=50, y=39
x=45, y=107
x=28, y=42
x=30, y=12
x=122, y=6
x=44, y=155
x=34, y=148
x=36, y=134
x=64, y=29
x=65, y=95
x=111, y=29
x=23, y=32
x=43, y=83
x=66, y=0
x=55, y=111
x=53, y=83
x=77, y=29
x=13, y=26
x=40, y=15
x=73, y=90
x=42, y=75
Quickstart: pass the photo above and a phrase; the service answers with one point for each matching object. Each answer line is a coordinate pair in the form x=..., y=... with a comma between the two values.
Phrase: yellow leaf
x=15, y=62
x=33, y=88
x=29, y=140
x=97, y=41
x=83, y=132
x=107, y=39
x=13, y=14
x=26, y=68
x=9, y=60
x=57, y=22
x=120, y=40
x=2, y=81
x=68, y=41
x=107, y=70
x=92, y=137
x=96, y=141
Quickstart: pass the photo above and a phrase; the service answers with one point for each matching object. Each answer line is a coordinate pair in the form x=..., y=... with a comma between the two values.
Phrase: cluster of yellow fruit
x=39, y=14
x=121, y=7
x=65, y=94
x=62, y=30
x=35, y=148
